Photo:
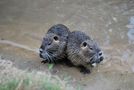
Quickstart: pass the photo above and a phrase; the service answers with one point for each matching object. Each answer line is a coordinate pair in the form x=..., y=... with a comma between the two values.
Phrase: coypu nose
x=101, y=58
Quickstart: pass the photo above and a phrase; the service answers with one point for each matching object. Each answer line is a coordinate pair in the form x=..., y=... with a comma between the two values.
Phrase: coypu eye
x=84, y=44
x=55, y=38
x=91, y=48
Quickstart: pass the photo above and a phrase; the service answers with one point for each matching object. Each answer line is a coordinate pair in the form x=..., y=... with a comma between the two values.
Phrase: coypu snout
x=97, y=58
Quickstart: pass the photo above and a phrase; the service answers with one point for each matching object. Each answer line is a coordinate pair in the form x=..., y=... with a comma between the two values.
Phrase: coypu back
x=60, y=30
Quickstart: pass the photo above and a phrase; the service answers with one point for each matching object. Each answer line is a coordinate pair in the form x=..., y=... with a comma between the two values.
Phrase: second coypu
x=54, y=44
x=82, y=50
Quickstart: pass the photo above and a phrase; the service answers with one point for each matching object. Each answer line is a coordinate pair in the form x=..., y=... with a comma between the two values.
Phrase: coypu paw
x=69, y=63
x=84, y=70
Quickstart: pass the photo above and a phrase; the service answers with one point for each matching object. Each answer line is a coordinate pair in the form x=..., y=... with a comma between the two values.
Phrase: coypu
x=54, y=44
x=82, y=50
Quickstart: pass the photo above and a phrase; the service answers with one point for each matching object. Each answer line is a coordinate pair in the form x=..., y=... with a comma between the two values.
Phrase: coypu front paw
x=84, y=70
x=69, y=63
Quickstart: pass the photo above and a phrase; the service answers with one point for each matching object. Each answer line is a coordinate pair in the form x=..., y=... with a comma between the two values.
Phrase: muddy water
x=23, y=23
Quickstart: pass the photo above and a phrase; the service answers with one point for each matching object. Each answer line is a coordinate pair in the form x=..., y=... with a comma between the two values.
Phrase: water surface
x=23, y=23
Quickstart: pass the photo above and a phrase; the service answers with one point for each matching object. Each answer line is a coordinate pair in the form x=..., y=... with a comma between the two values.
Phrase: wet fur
x=76, y=57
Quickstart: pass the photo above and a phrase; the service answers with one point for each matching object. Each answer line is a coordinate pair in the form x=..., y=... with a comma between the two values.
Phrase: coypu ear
x=84, y=45
x=56, y=38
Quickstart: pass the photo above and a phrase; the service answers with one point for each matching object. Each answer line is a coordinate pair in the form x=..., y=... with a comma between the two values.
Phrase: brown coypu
x=54, y=43
x=82, y=50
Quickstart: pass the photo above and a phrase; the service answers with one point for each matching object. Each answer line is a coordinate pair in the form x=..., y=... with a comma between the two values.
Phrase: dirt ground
x=23, y=23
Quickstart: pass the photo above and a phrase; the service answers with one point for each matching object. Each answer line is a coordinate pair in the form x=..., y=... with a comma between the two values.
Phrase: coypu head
x=81, y=49
x=54, y=43
x=90, y=52
x=52, y=48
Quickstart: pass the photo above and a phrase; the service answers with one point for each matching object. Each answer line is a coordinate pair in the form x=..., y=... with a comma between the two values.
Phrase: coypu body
x=82, y=50
x=54, y=44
